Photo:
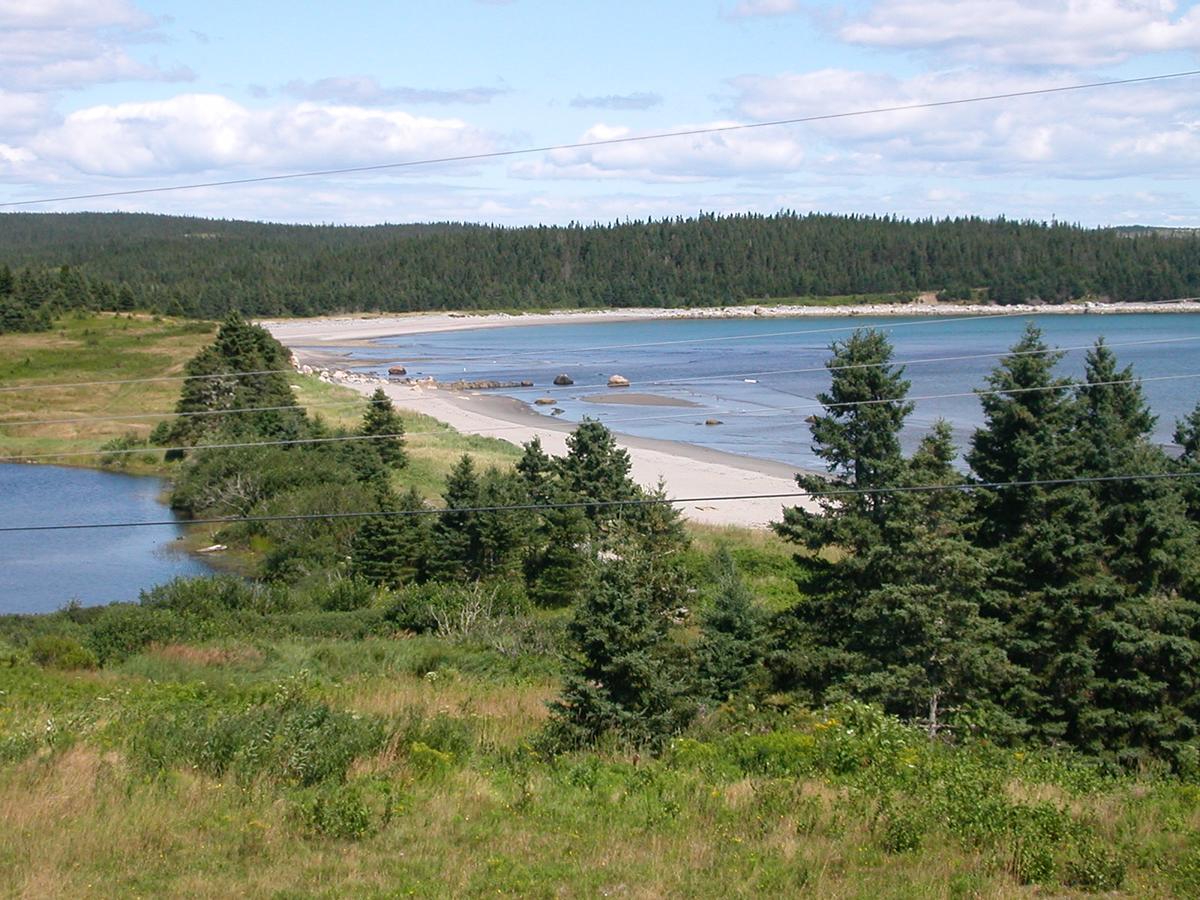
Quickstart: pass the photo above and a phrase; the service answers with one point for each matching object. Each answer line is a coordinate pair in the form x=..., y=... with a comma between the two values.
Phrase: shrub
x=1094, y=867
x=454, y=610
x=344, y=595
x=57, y=651
x=123, y=630
x=336, y=811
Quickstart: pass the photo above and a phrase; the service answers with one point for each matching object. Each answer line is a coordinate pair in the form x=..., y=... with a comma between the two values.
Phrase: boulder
x=397, y=370
x=545, y=401
x=713, y=422
x=563, y=380
x=618, y=381
x=811, y=420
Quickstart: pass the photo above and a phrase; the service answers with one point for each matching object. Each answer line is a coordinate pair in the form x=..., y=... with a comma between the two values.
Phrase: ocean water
x=760, y=377
x=43, y=571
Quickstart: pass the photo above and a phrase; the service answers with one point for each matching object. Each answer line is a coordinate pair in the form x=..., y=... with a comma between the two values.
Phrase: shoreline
x=366, y=328
x=686, y=470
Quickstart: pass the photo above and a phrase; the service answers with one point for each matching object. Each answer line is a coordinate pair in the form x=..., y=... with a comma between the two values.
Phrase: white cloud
x=366, y=91
x=1051, y=33
x=750, y=9
x=1084, y=134
x=57, y=15
x=48, y=45
x=200, y=132
x=690, y=158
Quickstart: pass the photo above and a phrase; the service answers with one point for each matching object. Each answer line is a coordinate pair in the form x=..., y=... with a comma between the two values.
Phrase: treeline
x=207, y=268
x=31, y=297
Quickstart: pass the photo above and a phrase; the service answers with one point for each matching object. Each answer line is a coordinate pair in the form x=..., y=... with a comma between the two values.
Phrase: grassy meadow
x=387, y=764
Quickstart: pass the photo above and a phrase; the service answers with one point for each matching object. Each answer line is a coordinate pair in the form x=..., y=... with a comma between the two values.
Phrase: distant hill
x=208, y=267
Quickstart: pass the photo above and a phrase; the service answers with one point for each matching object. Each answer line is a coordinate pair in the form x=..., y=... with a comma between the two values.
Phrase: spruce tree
x=381, y=421
x=596, y=469
x=858, y=438
x=731, y=634
x=393, y=550
x=1148, y=542
x=455, y=533
x=622, y=678
x=244, y=368
x=1047, y=540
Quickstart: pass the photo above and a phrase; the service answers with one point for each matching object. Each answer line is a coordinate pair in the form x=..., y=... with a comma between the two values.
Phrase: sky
x=114, y=95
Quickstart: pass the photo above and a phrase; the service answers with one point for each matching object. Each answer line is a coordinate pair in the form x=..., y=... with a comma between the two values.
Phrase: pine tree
x=393, y=550
x=622, y=678
x=456, y=539
x=1047, y=540
x=382, y=421
x=596, y=469
x=731, y=634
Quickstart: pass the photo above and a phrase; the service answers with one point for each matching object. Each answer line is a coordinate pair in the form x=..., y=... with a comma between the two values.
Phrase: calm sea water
x=42, y=571
x=760, y=376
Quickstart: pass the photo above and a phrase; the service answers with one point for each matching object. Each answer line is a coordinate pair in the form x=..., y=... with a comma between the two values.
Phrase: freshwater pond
x=42, y=571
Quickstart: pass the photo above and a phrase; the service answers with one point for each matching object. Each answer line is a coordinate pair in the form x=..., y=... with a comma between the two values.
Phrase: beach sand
x=636, y=399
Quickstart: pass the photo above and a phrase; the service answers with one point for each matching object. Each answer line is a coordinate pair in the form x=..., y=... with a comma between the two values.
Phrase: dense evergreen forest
x=208, y=268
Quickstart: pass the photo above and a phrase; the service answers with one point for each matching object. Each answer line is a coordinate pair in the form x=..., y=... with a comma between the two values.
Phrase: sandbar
x=635, y=399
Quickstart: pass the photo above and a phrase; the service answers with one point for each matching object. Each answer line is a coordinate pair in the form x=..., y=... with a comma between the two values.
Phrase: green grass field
x=395, y=765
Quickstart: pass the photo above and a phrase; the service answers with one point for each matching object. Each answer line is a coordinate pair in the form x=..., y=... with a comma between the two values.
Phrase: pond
x=41, y=571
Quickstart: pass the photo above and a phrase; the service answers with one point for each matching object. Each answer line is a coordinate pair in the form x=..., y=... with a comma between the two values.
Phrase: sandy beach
x=365, y=328
x=686, y=470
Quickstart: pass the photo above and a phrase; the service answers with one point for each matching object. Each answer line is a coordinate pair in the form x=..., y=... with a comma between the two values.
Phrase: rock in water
x=545, y=401
x=563, y=380
x=713, y=422
x=618, y=381
x=397, y=370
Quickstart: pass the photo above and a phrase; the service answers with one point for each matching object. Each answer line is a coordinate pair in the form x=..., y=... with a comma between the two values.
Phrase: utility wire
x=149, y=449
x=75, y=384
x=641, y=501
x=114, y=417
x=632, y=139
x=657, y=382
x=771, y=411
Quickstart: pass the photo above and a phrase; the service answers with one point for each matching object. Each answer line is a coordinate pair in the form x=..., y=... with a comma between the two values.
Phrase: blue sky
x=101, y=95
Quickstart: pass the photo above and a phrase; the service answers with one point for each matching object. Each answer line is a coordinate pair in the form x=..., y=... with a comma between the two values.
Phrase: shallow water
x=760, y=376
x=43, y=571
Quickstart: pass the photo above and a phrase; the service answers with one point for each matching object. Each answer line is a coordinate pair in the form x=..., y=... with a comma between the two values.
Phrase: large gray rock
x=563, y=380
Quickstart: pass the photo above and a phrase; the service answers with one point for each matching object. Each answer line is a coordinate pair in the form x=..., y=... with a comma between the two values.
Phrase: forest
x=208, y=268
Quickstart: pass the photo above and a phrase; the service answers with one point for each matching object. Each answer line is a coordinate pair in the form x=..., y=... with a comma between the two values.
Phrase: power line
x=114, y=417
x=487, y=432
x=641, y=501
x=184, y=449
x=657, y=382
x=580, y=145
x=75, y=384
